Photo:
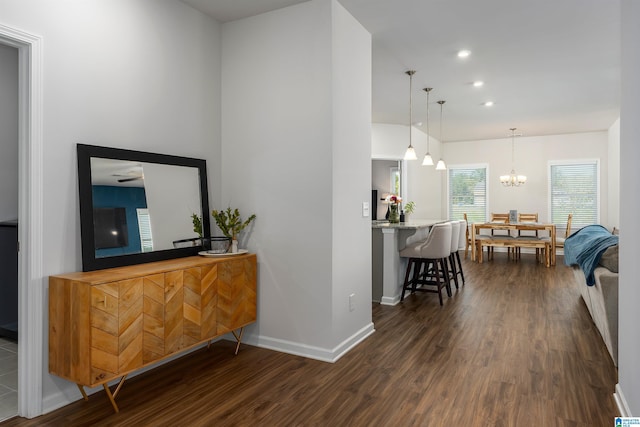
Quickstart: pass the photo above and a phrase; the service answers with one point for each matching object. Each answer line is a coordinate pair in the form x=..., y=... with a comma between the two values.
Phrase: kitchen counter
x=411, y=225
x=388, y=267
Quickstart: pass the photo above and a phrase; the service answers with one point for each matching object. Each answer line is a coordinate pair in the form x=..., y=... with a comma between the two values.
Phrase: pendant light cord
x=411, y=73
x=513, y=149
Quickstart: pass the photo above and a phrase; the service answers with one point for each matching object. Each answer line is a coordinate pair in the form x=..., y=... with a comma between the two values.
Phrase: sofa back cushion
x=609, y=259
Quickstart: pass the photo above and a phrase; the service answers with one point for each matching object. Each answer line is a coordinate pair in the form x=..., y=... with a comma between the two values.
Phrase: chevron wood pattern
x=173, y=311
x=130, y=331
x=209, y=301
x=105, y=324
x=153, y=318
x=236, y=295
x=104, y=332
x=192, y=307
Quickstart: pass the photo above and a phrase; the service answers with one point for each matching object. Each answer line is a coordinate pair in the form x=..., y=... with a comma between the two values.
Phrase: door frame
x=31, y=280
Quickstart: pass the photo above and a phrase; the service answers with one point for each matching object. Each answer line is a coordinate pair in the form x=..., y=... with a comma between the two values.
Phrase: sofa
x=601, y=298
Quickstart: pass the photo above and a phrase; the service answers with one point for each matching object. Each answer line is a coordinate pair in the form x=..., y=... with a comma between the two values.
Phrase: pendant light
x=441, y=166
x=513, y=180
x=410, y=154
x=427, y=161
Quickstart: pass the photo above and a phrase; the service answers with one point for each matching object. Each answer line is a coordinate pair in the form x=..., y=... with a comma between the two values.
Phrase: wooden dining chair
x=467, y=246
x=500, y=217
x=567, y=233
x=529, y=234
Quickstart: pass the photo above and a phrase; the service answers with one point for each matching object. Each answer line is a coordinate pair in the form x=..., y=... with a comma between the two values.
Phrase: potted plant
x=230, y=224
x=197, y=224
x=409, y=208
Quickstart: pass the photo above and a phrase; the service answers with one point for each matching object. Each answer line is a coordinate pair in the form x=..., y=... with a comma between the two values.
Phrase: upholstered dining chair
x=427, y=259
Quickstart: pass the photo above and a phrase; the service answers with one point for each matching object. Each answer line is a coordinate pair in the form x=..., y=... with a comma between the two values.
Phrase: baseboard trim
x=390, y=300
x=621, y=402
x=309, y=351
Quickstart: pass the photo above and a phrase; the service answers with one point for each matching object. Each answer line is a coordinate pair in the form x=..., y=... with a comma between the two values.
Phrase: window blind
x=468, y=193
x=574, y=190
x=144, y=225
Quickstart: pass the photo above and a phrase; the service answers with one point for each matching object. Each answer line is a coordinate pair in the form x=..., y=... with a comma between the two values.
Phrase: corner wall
x=614, y=174
x=628, y=388
x=294, y=109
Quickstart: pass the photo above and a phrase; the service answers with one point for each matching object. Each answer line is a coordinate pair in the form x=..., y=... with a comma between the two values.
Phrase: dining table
x=514, y=227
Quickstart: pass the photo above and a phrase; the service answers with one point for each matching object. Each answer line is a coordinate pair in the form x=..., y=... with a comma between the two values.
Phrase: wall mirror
x=137, y=207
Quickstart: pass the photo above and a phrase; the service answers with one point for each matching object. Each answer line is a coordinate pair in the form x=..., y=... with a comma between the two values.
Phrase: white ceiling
x=550, y=66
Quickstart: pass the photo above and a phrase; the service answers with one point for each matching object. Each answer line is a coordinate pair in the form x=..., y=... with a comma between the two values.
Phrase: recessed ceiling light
x=488, y=104
x=478, y=83
x=464, y=53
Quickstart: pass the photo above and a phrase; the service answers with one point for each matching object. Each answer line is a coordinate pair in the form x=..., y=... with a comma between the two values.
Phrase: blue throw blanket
x=585, y=247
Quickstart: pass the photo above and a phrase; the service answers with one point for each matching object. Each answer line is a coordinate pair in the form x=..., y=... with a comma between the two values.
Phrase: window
x=574, y=189
x=144, y=226
x=394, y=180
x=468, y=192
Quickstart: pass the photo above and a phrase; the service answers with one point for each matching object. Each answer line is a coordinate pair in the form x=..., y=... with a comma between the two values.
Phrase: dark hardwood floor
x=514, y=347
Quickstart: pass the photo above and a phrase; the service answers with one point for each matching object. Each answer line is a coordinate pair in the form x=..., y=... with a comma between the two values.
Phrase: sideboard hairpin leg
x=84, y=394
x=238, y=338
x=112, y=396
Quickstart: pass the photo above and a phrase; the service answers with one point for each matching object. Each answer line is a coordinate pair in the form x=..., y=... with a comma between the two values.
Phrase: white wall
x=296, y=132
x=532, y=155
x=8, y=133
x=628, y=389
x=351, y=251
x=423, y=184
x=136, y=74
x=614, y=174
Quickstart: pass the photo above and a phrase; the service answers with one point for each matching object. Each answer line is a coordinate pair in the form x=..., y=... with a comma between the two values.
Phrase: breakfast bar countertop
x=410, y=225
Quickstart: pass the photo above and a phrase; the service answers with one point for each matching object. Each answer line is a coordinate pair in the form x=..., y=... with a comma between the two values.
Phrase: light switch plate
x=365, y=209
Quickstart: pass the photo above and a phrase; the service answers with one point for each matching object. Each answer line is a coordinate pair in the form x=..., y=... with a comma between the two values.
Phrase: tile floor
x=8, y=378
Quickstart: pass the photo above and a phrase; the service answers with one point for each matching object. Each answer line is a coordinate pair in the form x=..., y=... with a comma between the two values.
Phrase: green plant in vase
x=408, y=209
x=197, y=224
x=230, y=224
x=394, y=208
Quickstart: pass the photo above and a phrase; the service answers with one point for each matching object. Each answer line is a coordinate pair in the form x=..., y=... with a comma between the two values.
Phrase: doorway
x=8, y=232
x=31, y=279
x=387, y=177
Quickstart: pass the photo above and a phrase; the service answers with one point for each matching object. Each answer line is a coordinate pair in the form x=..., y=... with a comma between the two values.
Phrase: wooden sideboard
x=106, y=324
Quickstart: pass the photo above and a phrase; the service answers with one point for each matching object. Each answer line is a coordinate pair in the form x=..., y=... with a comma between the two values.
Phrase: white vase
x=234, y=246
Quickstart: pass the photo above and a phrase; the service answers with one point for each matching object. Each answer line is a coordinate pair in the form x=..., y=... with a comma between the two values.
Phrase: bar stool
x=428, y=260
x=455, y=238
x=462, y=246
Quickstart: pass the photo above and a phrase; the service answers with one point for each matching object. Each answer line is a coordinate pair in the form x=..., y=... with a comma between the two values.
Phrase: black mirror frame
x=89, y=260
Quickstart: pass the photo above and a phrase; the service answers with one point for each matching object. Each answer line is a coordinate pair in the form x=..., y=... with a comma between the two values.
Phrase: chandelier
x=513, y=180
